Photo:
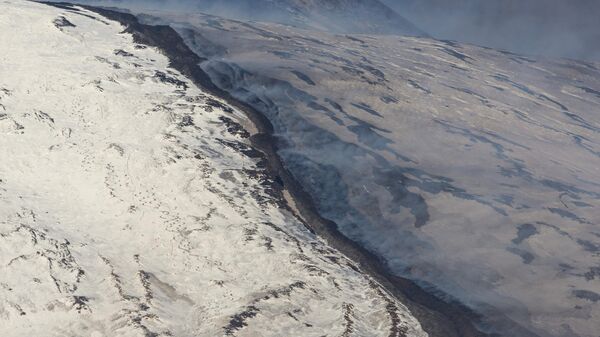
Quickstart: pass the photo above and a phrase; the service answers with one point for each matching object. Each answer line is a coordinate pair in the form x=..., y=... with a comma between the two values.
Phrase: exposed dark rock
x=62, y=22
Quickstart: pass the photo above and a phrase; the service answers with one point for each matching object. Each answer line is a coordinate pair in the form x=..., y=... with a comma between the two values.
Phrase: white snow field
x=128, y=206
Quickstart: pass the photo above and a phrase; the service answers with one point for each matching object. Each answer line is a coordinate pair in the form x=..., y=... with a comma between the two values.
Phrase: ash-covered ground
x=475, y=171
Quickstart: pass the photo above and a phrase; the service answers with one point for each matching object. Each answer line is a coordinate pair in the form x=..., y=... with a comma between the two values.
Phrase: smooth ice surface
x=473, y=170
x=130, y=206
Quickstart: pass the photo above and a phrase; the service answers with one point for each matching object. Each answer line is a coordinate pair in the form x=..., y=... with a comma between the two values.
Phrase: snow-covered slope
x=357, y=16
x=132, y=204
x=473, y=170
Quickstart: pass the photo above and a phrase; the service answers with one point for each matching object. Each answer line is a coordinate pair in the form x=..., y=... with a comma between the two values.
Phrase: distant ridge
x=347, y=16
x=338, y=16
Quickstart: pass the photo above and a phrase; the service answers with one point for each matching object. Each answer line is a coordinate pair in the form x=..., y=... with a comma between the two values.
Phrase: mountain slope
x=536, y=27
x=134, y=205
x=471, y=170
x=342, y=16
x=360, y=16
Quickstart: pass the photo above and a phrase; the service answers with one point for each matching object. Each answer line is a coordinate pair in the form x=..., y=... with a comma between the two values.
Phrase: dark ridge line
x=438, y=314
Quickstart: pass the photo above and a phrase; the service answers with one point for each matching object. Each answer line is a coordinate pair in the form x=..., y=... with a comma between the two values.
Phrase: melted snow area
x=132, y=206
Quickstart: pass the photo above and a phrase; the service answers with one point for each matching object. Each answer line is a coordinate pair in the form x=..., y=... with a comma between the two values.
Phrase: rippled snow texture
x=128, y=206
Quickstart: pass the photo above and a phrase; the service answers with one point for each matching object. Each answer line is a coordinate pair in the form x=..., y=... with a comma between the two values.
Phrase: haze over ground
x=340, y=16
x=554, y=28
x=470, y=168
x=564, y=28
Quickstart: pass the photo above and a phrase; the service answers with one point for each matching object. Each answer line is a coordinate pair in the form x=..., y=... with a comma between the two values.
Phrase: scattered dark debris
x=587, y=295
x=353, y=267
x=568, y=215
x=397, y=329
x=367, y=108
x=416, y=85
x=234, y=128
x=524, y=232
x=589, y=246
x=284, y=291
x=352, y=38
x=516, y=57
x=117, y=148
x=388, y=99
x=242, y=148
x=592, y=274
x=268, y=243
x=164, y=78
x=318, y=107
x=366, y=134
x=43, y=117
x=80, y=303
x=454, y=66
x=451, y=43
x=216, y=104
x=238, y=321
x=529, y=91
x=249, y=234
x=456, y=54
x=348, y=319
x=187, y=120
x=105, y=60
x=262, y=32
x=145, y=281
x=378, y=74
x=470, y=92
x=314, y=270
x=335, y=105
x=590, y=91
x=19, y=309
x=62, y=22
x=288, y=236
x=282, y=54
x=121, y=52
x=352, y=71
x=526, y=256
x=303, y=77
